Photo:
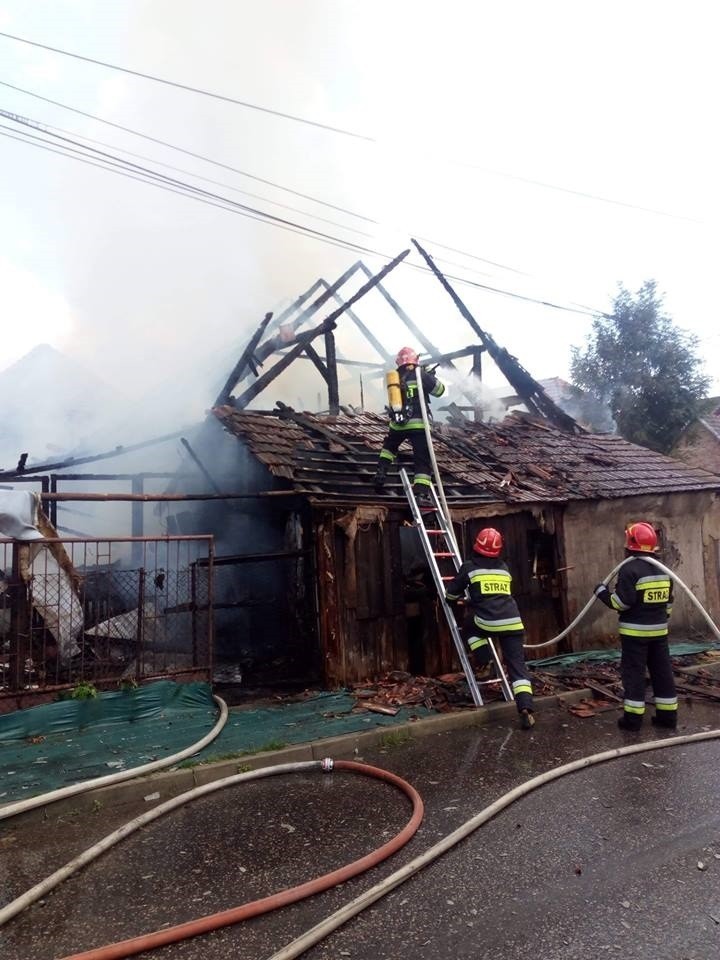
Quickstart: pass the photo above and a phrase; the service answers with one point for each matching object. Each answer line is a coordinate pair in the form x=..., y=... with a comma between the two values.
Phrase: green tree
x=643, y=369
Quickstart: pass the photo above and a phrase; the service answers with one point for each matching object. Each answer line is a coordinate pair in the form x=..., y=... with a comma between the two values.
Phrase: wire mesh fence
x=104, y=611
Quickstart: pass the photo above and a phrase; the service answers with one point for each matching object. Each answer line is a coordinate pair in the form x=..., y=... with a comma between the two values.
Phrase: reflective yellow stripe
x=627, y=632
x=476, y=642
x=638, y=710
x=652, y=584
x=522, y=686
x=666, y=706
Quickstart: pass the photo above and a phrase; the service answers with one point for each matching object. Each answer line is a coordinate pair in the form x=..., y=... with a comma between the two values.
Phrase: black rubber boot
x=527, y=720
x=379, y=478
x=630, y=721
x=422, y=494
x=667, y=720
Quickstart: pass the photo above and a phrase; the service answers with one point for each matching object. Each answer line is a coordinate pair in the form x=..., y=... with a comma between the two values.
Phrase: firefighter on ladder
x=643, y=599
x=493, y=613
x=406, y=422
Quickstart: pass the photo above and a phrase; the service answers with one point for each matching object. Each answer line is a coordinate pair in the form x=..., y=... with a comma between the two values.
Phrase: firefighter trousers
x=511, y=648
x=421, y=455
x=639, y=654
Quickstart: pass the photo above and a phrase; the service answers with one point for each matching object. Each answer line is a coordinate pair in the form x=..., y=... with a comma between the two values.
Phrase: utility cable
x=286, y=116
x=233, y=206
x=584, y=309
x=187, y=87
x=189, y=153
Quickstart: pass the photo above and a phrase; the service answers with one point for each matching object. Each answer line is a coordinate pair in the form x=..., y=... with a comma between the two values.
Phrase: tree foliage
x=643, y=369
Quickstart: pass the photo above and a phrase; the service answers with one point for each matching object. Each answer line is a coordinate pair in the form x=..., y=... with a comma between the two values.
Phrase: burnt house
x=561, y=499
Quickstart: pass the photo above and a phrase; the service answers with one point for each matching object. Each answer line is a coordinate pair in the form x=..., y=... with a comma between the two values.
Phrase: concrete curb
x=157, y=787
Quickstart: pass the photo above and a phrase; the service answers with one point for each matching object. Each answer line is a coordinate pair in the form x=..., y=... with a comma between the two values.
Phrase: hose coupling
x=327, y=764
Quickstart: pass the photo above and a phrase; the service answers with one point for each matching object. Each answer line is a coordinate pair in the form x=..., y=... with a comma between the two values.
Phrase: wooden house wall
x=362, y=613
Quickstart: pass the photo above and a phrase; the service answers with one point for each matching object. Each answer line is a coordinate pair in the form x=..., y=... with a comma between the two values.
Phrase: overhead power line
x=76, y=150
x=188, y=87
x=188, y=153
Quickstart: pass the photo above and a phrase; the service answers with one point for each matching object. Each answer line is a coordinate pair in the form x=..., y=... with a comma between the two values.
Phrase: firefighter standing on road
x=643, y=599
x=406, y=421
x=493, y=613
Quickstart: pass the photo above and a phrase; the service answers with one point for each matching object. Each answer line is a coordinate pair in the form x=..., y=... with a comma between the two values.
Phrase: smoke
x=466, y=389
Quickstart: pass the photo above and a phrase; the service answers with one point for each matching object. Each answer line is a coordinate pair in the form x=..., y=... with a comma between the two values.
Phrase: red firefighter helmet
x=640, y=537
x=406, y=355
x=488, y=542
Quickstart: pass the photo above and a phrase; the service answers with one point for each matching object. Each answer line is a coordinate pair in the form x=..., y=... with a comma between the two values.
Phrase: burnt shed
x=561, y=500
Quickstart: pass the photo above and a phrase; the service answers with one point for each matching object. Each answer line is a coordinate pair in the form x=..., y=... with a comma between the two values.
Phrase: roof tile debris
x=520, y=459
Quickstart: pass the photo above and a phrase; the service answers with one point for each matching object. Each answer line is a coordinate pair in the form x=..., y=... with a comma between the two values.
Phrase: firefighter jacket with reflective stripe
x=643, y=599
x=489, y=585
x=412, y=411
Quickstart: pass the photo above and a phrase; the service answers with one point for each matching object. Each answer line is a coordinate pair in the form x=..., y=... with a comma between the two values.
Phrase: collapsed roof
x=522, y=459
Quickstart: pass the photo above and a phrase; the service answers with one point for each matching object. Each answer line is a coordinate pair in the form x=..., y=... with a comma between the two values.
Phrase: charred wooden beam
x=302, y=338
x=368, y=334
x=313, y=355
x=275, y=343
x=406, y=319
x=332, y=382
x=533, y=395
x=77, y=461
x=200, y=465
x=246, y=359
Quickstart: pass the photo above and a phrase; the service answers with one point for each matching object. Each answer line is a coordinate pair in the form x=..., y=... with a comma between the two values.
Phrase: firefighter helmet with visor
x=488, y=542
x=640, y=537
x=406, y=356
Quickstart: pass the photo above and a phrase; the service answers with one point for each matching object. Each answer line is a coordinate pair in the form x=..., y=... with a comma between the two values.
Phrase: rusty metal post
x=48, y=484
x=193, y=611
x=140, y=630
x=477, y=373
x=19, y=622
x=136, y=529
x=331, y=361
x=211, y=609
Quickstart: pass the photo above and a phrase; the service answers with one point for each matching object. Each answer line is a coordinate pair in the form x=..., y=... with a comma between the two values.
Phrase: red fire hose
x=245, y=911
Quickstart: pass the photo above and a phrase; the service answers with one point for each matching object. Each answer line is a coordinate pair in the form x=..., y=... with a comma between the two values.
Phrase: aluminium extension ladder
x=439, y=547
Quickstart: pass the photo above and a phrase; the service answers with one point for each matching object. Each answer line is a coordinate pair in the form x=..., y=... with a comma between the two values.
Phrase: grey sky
x=143, y=286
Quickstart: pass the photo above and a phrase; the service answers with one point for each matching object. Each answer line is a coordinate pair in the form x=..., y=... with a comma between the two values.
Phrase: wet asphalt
x=602, y=863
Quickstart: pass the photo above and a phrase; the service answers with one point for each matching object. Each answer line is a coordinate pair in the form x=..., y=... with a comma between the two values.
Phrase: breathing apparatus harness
x=400, y=406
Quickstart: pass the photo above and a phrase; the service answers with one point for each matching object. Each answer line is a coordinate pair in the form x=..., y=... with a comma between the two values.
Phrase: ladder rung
x=447, y=578
x=443, y=554
x=433, y=531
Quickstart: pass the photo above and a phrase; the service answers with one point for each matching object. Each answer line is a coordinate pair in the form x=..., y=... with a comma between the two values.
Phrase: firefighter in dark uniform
x=493, y=613
x=406, y=422
x=643, y=599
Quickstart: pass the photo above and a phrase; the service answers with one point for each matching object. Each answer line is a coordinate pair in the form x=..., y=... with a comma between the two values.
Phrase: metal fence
x=106, y=612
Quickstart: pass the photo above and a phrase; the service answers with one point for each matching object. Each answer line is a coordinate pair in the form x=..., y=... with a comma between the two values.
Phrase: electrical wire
x=187, y=87
x=153, y=178
x=188, y=153
x=349, y=133
x=198, y=176
x=584, y=308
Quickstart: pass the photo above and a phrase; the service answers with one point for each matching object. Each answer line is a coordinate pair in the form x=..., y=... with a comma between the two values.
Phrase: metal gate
x=103, y=611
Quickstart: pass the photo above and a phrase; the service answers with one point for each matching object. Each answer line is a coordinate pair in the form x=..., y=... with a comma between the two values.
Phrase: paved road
x=603, y=863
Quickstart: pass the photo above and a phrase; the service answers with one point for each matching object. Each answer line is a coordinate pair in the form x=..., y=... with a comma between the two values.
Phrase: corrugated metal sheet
x=521, y=459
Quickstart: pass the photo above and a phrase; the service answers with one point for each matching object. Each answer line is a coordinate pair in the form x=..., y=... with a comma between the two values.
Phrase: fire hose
x=254, y=908
x=42, y=799
x=656, y=563
x=323, y=929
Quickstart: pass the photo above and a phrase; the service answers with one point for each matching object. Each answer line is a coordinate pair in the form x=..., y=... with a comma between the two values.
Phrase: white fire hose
x=42, y=799
x=656, y=563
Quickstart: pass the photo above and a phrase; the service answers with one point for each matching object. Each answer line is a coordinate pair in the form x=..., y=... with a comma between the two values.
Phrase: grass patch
x=395, y=739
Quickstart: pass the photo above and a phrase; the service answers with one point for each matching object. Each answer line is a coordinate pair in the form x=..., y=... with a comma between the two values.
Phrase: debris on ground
x=389, y=692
